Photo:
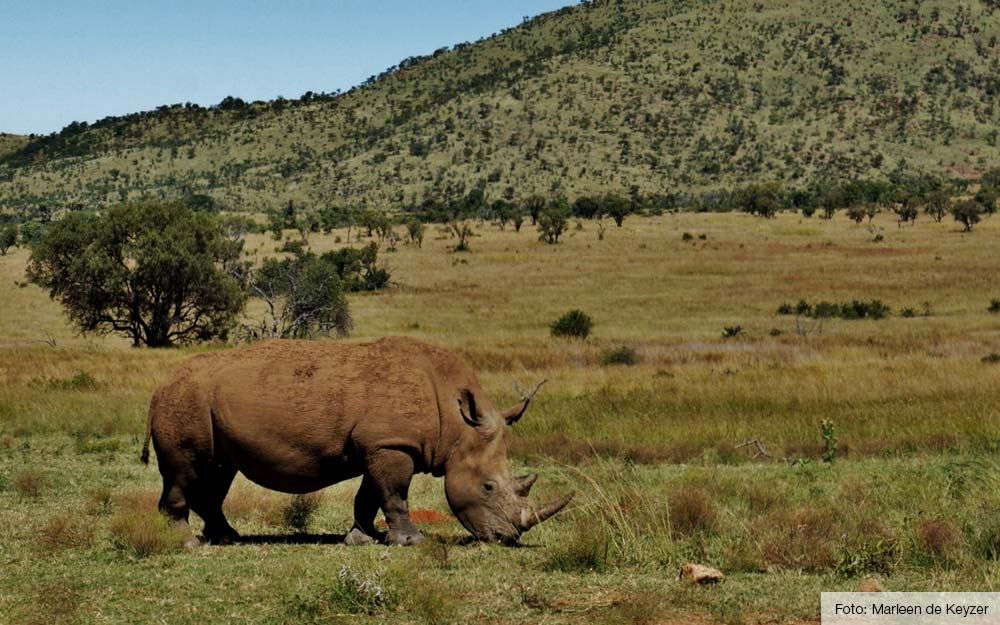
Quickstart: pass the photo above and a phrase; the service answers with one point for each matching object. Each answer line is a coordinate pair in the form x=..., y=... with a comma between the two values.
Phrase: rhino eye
x=489, y=487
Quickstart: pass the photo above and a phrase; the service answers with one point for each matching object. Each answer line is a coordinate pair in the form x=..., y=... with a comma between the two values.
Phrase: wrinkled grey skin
x=297, y=416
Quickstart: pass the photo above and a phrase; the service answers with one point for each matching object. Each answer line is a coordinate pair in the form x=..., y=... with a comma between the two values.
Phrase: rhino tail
x=144, y=456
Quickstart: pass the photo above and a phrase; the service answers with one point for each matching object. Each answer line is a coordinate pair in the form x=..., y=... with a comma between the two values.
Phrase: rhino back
x=298, y=411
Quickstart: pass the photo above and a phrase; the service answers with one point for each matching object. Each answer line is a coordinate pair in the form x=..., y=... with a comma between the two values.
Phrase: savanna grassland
x=653, y=448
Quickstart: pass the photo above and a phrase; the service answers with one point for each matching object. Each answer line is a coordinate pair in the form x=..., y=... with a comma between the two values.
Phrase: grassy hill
x=11, y=143
x=653, y=96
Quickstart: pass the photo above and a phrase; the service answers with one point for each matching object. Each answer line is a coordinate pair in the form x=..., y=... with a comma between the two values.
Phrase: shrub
x=623, y=355
x=80, y=382
x=938, y=538
x=992, y=359
x=358, y=593
x=856, y=309
x=30, y=483
x=299, y=511
x=574, y=324
x=994, y=306
x=829, y=435
x=141, y=534
x=99, y=500
x=730, y=332
x=785, y=309
x=63, y=532
x=692, y=511
x=687, y=236
x=800, y=540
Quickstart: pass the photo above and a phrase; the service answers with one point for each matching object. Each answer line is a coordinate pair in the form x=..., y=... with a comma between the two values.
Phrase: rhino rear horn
x=515, y=413
x=523, y=484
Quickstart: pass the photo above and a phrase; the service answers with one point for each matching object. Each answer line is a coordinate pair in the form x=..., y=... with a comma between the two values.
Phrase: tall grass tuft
x=145, y=533
x=30, y=483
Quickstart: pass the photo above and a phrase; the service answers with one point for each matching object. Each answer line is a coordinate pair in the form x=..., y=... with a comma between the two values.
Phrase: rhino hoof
x=403, y=538
x=356, y=537
x=192, y=542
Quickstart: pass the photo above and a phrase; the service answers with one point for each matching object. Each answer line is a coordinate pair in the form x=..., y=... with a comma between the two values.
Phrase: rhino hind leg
x=391, y=471
x=206, y=494
x=174, y=506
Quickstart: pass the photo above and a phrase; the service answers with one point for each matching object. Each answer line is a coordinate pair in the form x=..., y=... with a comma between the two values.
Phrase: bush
x=994, y=306
x=691, y=512
x=299, y=511
x=731, y=332
x=623, y=355
x=574, y=324
x=940, y=539
x=30, y=483
x=63, y=532
x=687, y=236
x=856, y=309
x=992, y=359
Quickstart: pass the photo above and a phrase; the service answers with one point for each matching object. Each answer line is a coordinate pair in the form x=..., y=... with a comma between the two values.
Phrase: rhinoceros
x=297, y=416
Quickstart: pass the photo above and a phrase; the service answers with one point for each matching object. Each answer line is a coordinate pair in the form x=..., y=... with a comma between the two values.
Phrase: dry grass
x=65, y=531
x=141, y=533
x=692, y=510
x=30, y=483
x=940, y=539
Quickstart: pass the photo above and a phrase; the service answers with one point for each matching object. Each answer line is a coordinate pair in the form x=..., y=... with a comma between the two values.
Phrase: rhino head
x=487, y=500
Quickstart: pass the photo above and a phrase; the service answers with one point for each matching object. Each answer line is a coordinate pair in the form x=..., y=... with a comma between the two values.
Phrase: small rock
x=700, y=574
x=870, y=584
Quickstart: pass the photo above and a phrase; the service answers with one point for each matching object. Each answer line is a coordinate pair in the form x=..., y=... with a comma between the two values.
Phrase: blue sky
x=81, y=61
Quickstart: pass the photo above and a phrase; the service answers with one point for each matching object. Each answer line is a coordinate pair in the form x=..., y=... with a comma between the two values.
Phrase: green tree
x=415, y=230
x=533, y=206
x=967, y=212
x=761, y=199
x=156, y=273
x=617, y=208
x=936, y=204
x=8, y=238
x=552, y=220
x=303, y=296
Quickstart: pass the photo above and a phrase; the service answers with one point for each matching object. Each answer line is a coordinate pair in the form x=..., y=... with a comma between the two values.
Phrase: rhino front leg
x=366, y=505
x=391, y=472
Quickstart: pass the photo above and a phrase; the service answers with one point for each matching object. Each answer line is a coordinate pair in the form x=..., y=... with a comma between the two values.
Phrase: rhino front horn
x=530, y=517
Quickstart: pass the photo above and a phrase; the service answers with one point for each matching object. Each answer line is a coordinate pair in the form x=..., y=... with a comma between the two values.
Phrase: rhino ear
x=512, y=415
x=467, y=407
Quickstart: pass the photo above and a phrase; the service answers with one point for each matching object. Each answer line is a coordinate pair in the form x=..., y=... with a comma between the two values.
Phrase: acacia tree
x=156, y=273
x=967, y=213
x=303, y=296
x=936, y=204
x=8, y=238
x=552, y=220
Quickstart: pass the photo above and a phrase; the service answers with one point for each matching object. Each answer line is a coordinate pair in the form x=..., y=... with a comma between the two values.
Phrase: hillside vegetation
x=652, y=97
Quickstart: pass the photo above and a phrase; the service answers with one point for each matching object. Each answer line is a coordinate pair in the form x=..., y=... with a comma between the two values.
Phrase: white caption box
x=910, y=608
